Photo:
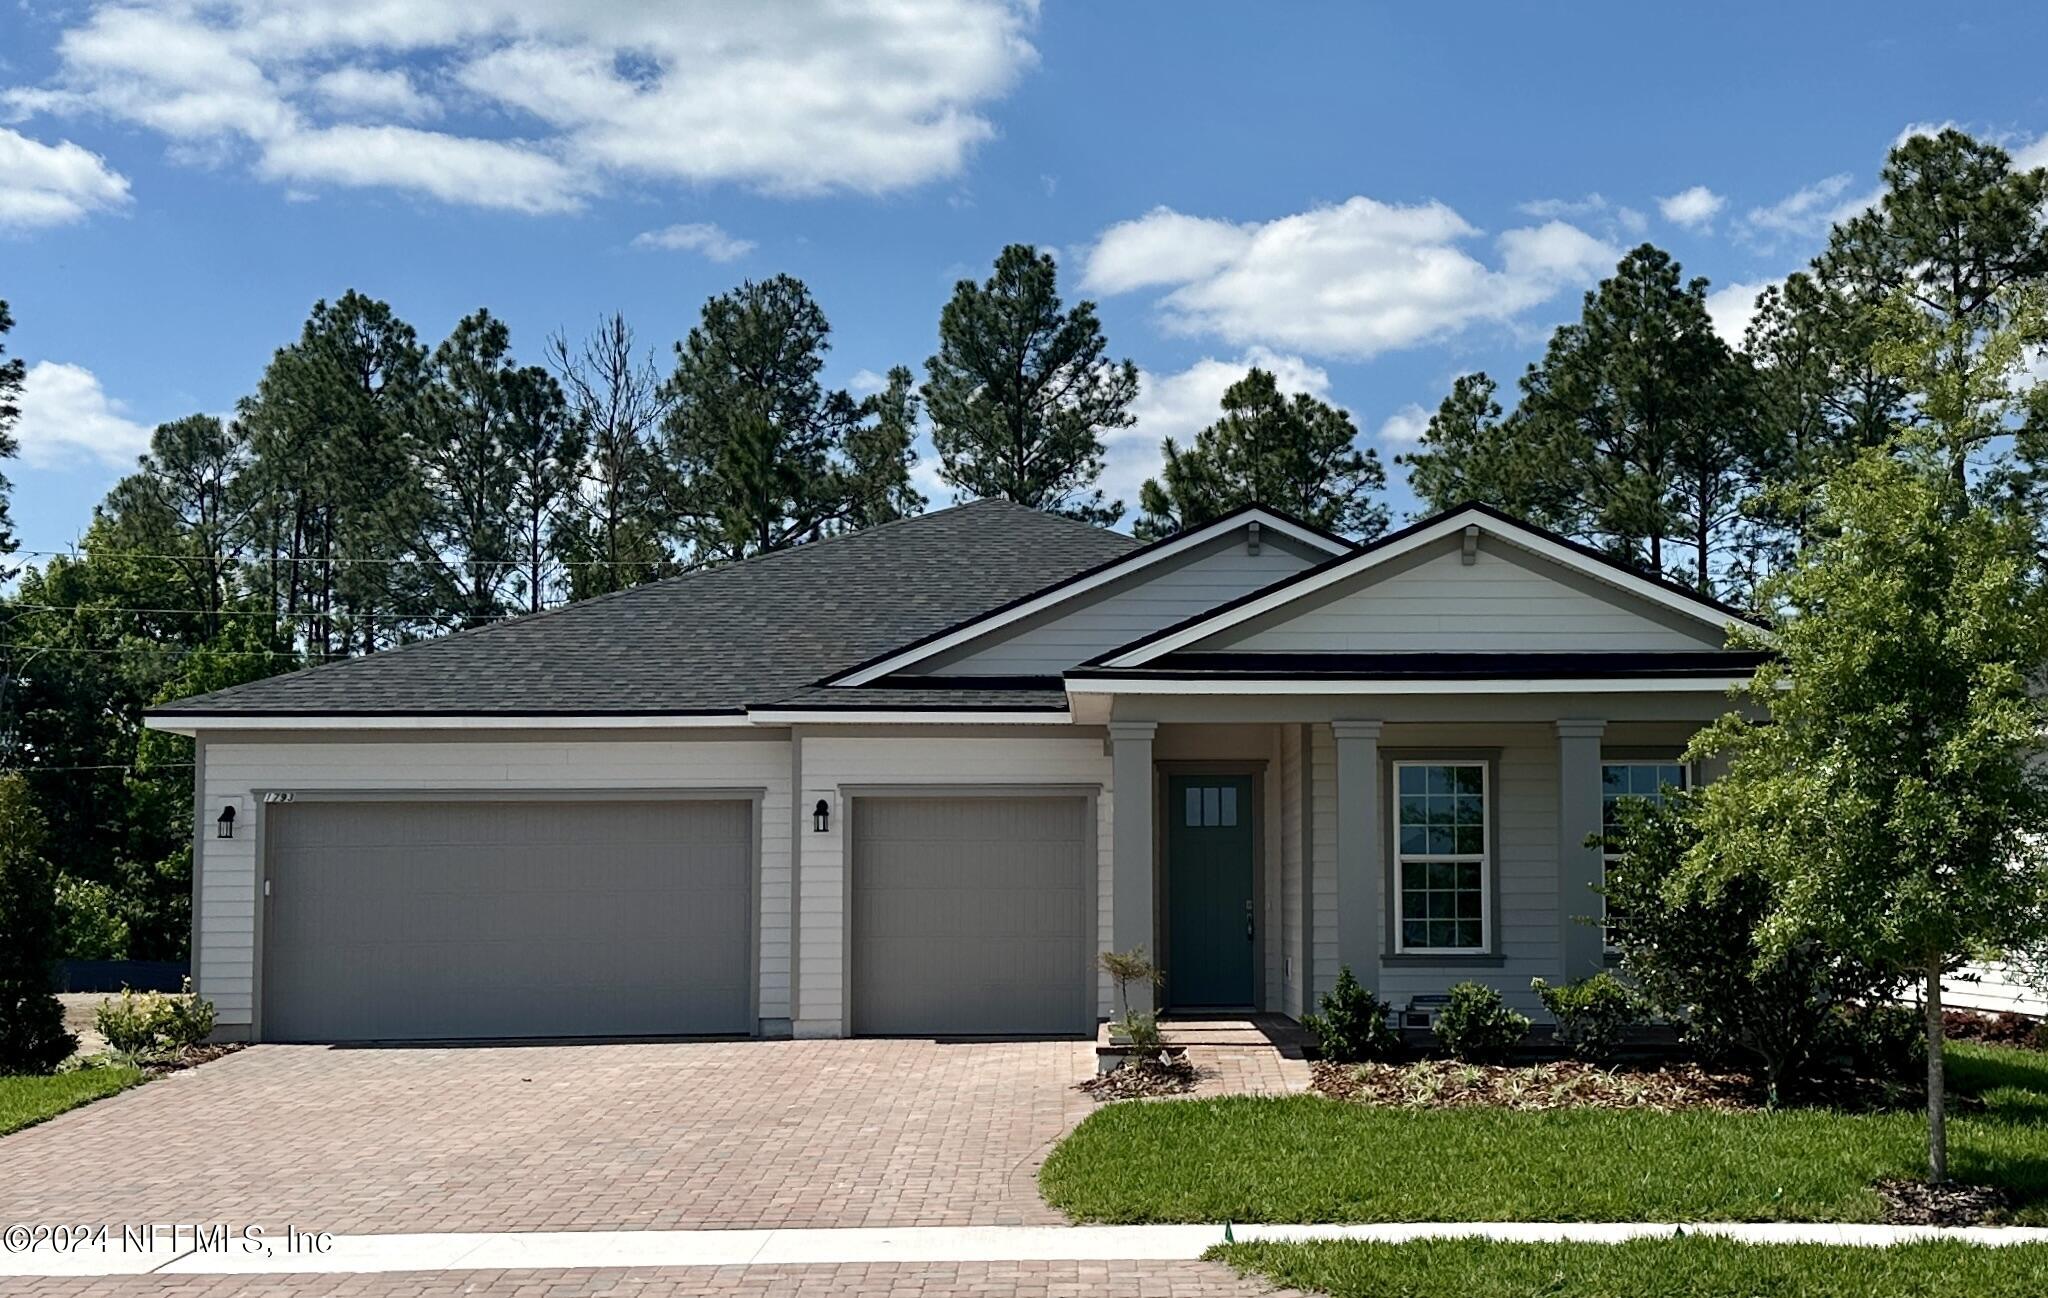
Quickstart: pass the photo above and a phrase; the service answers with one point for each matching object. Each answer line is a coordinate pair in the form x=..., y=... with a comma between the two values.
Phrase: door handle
x=1247, y=919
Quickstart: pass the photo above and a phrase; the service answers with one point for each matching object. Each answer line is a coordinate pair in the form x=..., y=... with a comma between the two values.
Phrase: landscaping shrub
x=32, y=1035
x=1477, y=1025
x=154, y=1024
x=2003, y=1029
x=1351, y=1023
x=1127, y=969
x=1690, y=948
x=1593, y=1014
x=1887, y=1041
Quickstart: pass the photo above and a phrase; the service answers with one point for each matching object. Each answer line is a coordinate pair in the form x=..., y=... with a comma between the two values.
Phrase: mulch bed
x=1140, y=1079
x=1916, y=1203
x=191, y=1057
x=1564, y=1084
x=2007, y=1029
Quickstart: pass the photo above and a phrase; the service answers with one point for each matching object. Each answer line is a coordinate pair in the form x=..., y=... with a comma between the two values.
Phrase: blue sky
x=1370, y=198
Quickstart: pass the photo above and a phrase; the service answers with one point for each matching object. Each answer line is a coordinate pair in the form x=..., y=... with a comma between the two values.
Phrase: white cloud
x=560, y=98
x=53, y=184
x=1808, y=212
x=698, y=236
x=66, y=416
x=371, y=91
x=1352, y=280
x=1732, y=306
x=452, y=168
x=1693, y=208
x=1182, y=404
x=2026, y=157
x=1612, y=219
x=1405, y=426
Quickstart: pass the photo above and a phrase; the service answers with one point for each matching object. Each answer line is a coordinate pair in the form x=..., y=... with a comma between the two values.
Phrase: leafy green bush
x=1352, y=1023
x=1477, y=1025
x=89, y=921
x=153, y=1024
x=32, y=1035
x=1886, y=1041
x=1593, y=1014
x=1691, y=947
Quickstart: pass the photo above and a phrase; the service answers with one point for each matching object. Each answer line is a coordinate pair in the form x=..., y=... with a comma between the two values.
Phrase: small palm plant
x=1127, y=969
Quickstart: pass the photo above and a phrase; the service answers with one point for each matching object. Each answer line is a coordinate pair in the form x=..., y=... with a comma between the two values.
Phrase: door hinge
x=266, y=887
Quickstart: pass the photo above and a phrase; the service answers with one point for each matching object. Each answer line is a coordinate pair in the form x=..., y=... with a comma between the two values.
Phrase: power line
x=32, y=650
x=381, y=613
x=259, y=560
x=110, y=766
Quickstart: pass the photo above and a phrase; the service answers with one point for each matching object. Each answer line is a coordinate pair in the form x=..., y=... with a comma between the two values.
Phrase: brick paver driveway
x=574, y=1137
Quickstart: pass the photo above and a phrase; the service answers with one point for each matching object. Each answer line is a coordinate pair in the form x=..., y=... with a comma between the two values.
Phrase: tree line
x=373, y=490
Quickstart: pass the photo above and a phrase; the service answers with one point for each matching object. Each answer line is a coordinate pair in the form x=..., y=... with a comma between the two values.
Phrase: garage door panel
x=425, y=919
x=970, y=915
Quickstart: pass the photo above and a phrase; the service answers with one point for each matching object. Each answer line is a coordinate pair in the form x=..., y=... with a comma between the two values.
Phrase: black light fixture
x=821, y=816
x=225, y=826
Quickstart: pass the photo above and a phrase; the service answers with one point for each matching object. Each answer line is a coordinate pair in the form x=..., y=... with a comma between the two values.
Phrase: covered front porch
x=1421, y=840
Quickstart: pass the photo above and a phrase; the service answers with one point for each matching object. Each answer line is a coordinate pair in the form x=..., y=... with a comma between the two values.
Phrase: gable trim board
x=963, y=633
x=1394, y=546
x=1114, y=684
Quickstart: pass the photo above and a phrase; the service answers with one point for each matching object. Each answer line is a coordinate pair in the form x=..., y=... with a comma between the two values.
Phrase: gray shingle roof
x=750, y=633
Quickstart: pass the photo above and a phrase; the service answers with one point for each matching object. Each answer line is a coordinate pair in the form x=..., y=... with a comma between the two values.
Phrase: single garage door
x=391, y=920
x=970, y=916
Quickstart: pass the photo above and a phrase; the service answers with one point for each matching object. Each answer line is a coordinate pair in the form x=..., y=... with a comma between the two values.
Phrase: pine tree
x=1021, y=393
x=1296, y=454
x=12, y=376
x=612, y=535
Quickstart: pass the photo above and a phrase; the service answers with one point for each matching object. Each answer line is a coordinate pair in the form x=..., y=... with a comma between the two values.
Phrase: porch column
x=1578, y=866
x=1361, y=867
x=1130, y=755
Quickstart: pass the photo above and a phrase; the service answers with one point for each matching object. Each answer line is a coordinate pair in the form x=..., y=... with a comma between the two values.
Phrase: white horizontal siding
x=833, y=764
x=1154, y=598
x=1994, y=988
x=1495, y=604
x=239, y=770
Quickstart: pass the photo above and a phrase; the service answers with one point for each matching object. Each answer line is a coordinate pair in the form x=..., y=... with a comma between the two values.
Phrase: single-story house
x=909, y=781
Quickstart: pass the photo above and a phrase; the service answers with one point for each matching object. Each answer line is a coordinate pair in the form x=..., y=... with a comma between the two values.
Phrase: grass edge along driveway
x=1305, y=1158
x=1694, y=1267
x=26, y=1100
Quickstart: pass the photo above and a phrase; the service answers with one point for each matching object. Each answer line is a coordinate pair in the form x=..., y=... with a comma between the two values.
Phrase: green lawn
x=1305, y=1158
x=1663, y=1268
x=25, y=1101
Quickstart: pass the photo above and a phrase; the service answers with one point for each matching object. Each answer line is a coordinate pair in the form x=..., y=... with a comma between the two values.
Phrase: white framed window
x=1442, y=857
x=1619, y=782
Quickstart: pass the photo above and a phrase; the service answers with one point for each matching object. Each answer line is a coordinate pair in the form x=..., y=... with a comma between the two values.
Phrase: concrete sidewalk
x=617, y=1250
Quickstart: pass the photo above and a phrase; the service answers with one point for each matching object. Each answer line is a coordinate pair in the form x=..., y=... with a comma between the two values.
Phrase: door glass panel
x=1212, y=806
x=1194, y=813
x=1229, y=804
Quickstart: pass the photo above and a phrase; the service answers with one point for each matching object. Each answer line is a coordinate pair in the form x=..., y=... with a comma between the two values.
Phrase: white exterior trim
x=1449, y=525
x=1514, y=685
x=1113, y=571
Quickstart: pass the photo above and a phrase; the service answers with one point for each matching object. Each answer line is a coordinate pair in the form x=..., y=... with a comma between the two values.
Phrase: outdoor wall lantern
x=821, y=816
x=225, y=826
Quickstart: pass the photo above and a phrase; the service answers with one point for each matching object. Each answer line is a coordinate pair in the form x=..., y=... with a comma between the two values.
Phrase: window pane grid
x=1621, y=782
x=1441, y=851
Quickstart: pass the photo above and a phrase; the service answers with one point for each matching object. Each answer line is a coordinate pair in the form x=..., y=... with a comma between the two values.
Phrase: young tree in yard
x=1891, y=801
x=1020, y=392
x=32, y=1035
x=1293, y=453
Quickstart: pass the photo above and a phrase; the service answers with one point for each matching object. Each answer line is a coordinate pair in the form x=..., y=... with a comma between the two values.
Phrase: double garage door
x=429, y=919
x=395, y=920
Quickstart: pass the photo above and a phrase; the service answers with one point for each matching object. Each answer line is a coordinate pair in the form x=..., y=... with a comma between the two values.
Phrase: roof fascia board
x=1448, y=525
x=186, y=723
x=914, y=717
x=1114, y=570
x=1321, y=685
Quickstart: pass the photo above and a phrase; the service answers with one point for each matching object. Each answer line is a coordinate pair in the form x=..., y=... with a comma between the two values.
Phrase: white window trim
x=1685, y=781
x=1485, y=856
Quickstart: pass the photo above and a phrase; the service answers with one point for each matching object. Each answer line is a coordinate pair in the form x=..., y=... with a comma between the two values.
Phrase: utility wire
x=260, y=560
x=382, y=613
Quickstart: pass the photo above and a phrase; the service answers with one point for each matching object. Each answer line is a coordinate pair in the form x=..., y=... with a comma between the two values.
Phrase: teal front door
x=1209, y=891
